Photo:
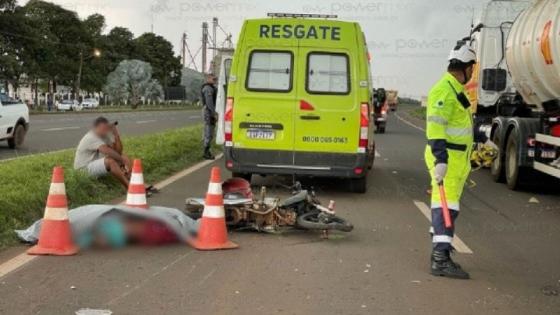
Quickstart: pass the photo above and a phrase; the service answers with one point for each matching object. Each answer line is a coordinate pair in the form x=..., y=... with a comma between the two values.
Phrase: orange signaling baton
x=445, y=208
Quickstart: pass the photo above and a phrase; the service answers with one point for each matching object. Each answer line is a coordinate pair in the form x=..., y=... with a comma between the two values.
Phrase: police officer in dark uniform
x=209, y=95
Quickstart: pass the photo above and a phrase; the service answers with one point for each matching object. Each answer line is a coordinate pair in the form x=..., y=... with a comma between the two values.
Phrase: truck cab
x=14, y=121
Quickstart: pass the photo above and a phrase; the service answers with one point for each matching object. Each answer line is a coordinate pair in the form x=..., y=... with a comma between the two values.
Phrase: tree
x=95, y=68
x=132, y=80
x=158, y=52
x=61, y=36
x=7, y=5
x=120, y=44
x=13, y=30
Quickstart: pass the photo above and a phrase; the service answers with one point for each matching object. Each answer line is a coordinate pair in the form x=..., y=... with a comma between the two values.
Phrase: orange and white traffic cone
x=136, y=197
x=212, y=232
x=55, y=237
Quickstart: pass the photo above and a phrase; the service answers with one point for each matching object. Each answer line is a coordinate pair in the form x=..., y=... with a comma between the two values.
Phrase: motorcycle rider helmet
x=237, y=188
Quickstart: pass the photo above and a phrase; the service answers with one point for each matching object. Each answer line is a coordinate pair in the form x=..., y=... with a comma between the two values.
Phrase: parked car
x=65, y=105
x=90, y=103
x=14, y=121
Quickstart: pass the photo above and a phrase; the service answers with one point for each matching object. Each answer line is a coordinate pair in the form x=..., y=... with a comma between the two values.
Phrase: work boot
x=443, y=265
x=208, y=155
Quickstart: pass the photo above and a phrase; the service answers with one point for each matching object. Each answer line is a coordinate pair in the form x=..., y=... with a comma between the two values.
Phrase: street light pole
x=78, y=81
x=96, y=54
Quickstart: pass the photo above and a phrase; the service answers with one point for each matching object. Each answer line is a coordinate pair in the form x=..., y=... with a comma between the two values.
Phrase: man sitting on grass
x=100, y=152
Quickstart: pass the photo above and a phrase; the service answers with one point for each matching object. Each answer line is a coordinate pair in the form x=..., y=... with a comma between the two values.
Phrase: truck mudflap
x=318, y=164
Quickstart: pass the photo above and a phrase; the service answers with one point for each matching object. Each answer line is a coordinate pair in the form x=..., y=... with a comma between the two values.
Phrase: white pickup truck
x=14, y=121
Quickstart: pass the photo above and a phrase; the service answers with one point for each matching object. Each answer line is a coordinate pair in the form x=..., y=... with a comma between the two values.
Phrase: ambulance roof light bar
x=303, y=15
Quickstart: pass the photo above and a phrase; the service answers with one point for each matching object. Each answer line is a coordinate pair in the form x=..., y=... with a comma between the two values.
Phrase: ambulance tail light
x=228, y=122
x=364, y=127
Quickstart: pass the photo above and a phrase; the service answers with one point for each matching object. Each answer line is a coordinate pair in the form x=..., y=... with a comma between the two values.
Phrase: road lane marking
x=22, y=259
x=61, y=128
x=409, y=123
x=377, y=154
x=140, y=122
x=15, y=263
x=458, y=243
x=184, y=173
x=194, y=117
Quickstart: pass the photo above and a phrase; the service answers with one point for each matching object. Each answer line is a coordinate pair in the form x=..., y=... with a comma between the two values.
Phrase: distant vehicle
x=393, y=99
x=66, y=105
x=424, y=101
x=515, y=89
x=299, y=100
x=14, y=121
x=380, y=109
x=90, y=103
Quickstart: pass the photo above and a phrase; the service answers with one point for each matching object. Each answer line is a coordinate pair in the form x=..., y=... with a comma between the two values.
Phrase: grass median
x=24, y=182
x=419, y=113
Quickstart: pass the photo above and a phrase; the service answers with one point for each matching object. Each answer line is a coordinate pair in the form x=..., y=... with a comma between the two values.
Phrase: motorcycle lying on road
x=302, y=210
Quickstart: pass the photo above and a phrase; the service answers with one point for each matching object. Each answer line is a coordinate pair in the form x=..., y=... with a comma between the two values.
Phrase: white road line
x=15, y=263
x=61, y=128
x=146, y=121
x=459, y=245
x=188, y=171
x=377, y=154
x=22, y=259
x=194, y=117
x=409, y=123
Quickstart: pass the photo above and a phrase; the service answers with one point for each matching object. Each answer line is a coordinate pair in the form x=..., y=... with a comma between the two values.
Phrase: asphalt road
x=379, y=268
x=62, y=131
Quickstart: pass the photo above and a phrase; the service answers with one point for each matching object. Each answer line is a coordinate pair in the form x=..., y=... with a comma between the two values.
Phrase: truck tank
x=533, y=53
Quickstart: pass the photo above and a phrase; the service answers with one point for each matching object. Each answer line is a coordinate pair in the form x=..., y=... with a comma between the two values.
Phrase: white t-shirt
x=88, y=149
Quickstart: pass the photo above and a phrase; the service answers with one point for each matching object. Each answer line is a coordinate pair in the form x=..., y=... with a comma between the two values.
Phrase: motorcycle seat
x=297, y=198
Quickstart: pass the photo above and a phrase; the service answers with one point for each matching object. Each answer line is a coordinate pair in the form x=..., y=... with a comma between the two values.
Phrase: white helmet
x=462, y=53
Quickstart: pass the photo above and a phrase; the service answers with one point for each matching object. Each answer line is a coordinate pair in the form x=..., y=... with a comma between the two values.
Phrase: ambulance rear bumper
x=317, y=164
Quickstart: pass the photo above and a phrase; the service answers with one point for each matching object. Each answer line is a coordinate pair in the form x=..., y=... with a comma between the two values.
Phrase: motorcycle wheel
x=310, y=221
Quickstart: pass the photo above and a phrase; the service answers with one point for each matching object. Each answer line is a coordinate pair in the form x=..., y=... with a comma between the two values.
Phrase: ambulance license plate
x=261, y=134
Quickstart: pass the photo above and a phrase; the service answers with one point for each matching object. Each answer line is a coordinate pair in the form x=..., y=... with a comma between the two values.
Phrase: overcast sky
x=409, y=39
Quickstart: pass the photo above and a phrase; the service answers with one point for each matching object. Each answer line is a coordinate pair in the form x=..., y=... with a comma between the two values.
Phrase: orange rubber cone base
x=197, y=244
x=39, y=250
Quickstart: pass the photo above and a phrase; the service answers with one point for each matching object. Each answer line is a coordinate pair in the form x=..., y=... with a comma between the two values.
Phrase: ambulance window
x=270, y=71
x=328, y=73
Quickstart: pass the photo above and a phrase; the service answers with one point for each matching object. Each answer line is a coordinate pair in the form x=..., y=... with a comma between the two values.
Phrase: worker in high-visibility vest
x=450, y=139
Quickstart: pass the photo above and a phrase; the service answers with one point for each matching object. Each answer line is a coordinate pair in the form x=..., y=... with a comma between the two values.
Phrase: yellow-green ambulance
x=299, y=100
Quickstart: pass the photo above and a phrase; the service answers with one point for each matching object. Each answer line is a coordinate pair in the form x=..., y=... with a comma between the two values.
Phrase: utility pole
x=184, y=50
x=214, y=35
x=79, y=80
x=204, y=46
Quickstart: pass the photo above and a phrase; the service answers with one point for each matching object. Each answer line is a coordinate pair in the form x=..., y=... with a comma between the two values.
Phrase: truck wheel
x=515, y=175
x=245, y=176
x=497, y=169
x=19, y=136
x=358, y=185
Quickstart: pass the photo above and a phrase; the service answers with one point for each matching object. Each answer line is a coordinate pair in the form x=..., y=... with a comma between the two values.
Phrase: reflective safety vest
x=447, y=119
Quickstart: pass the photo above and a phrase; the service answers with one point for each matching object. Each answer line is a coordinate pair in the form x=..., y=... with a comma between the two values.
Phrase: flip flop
x=152, y=189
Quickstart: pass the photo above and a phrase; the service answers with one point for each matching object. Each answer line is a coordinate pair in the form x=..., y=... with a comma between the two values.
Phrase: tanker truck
x=515, y=90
